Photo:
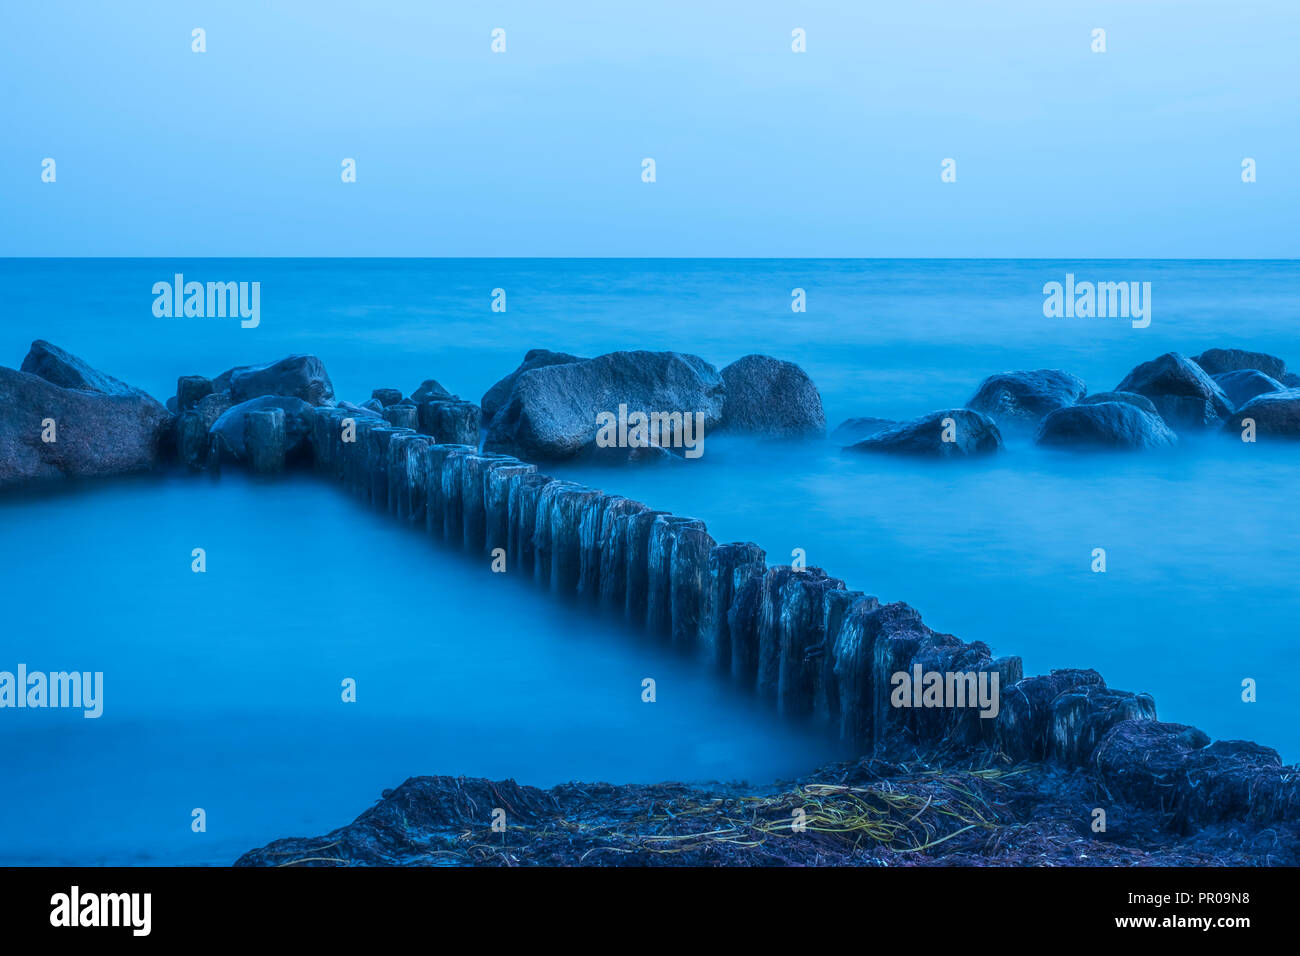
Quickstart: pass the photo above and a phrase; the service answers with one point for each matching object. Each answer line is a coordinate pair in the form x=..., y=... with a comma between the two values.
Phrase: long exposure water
x=222, y=689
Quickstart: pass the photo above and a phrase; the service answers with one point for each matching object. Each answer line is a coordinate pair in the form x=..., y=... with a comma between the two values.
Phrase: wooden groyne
x=797, y=637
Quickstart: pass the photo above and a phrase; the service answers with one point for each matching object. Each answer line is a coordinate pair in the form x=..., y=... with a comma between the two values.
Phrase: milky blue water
x=223, y=688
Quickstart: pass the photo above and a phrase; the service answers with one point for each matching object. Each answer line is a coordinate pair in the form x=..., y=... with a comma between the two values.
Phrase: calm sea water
x=222, y=689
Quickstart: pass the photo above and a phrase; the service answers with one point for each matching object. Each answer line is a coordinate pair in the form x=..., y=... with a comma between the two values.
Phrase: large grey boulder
x=1024, y=398
x=971, y=433
x=95, y=433
x=1274, y=414
x=1114, y=425
x=301, y=376
x=67, y=371
x=1244, y=384
x=766, y=396
x=228, y=432
x=1182, y=392
x=496, y=396
x=1218, y=361
x=552, y=411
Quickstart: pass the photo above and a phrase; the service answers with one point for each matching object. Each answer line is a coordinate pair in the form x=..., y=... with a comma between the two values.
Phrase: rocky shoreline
x=1063, y=743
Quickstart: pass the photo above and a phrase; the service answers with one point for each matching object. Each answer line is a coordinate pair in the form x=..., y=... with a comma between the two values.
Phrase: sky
x=759, y=151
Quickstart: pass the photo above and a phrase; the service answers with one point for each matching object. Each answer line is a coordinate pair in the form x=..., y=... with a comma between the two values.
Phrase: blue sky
x=1061, y=152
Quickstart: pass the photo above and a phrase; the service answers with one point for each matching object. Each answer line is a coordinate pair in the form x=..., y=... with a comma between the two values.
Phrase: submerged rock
x=971, y=434
x=94, y=433
x=387, y=396
x=1218, y=361
x=855, y=429
x=229, y=430
x=766, y=396
x=1243, y=385
x=300, y=376
x=551, y=413
x=496, y=396
x=1104, y=425
x=1182, y=392
x=1024, y=398
x=1276, y=414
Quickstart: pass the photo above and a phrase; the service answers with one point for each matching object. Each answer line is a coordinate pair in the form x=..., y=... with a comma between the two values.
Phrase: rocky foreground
x=1026, y=785
x=933, y=810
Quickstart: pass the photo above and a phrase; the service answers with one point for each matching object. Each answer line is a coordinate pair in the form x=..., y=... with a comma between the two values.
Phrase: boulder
x=766, y=396
x=67, y=371
x=387, y=396
x=853, y=430
x=228, y=431
x=1111, y=425
x=495, y=397
x=1243, y=385
x=1182, y=392
x=96, y=433
x=300, y=376
x=222, y=382
x=1127, y=398
x=1218, y=361
x=1175, y=769
x=552, y=411
x=1290, y=380
x=1024, y=398
x=1142, y=761
x=972, y=434
x=1275, y=414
